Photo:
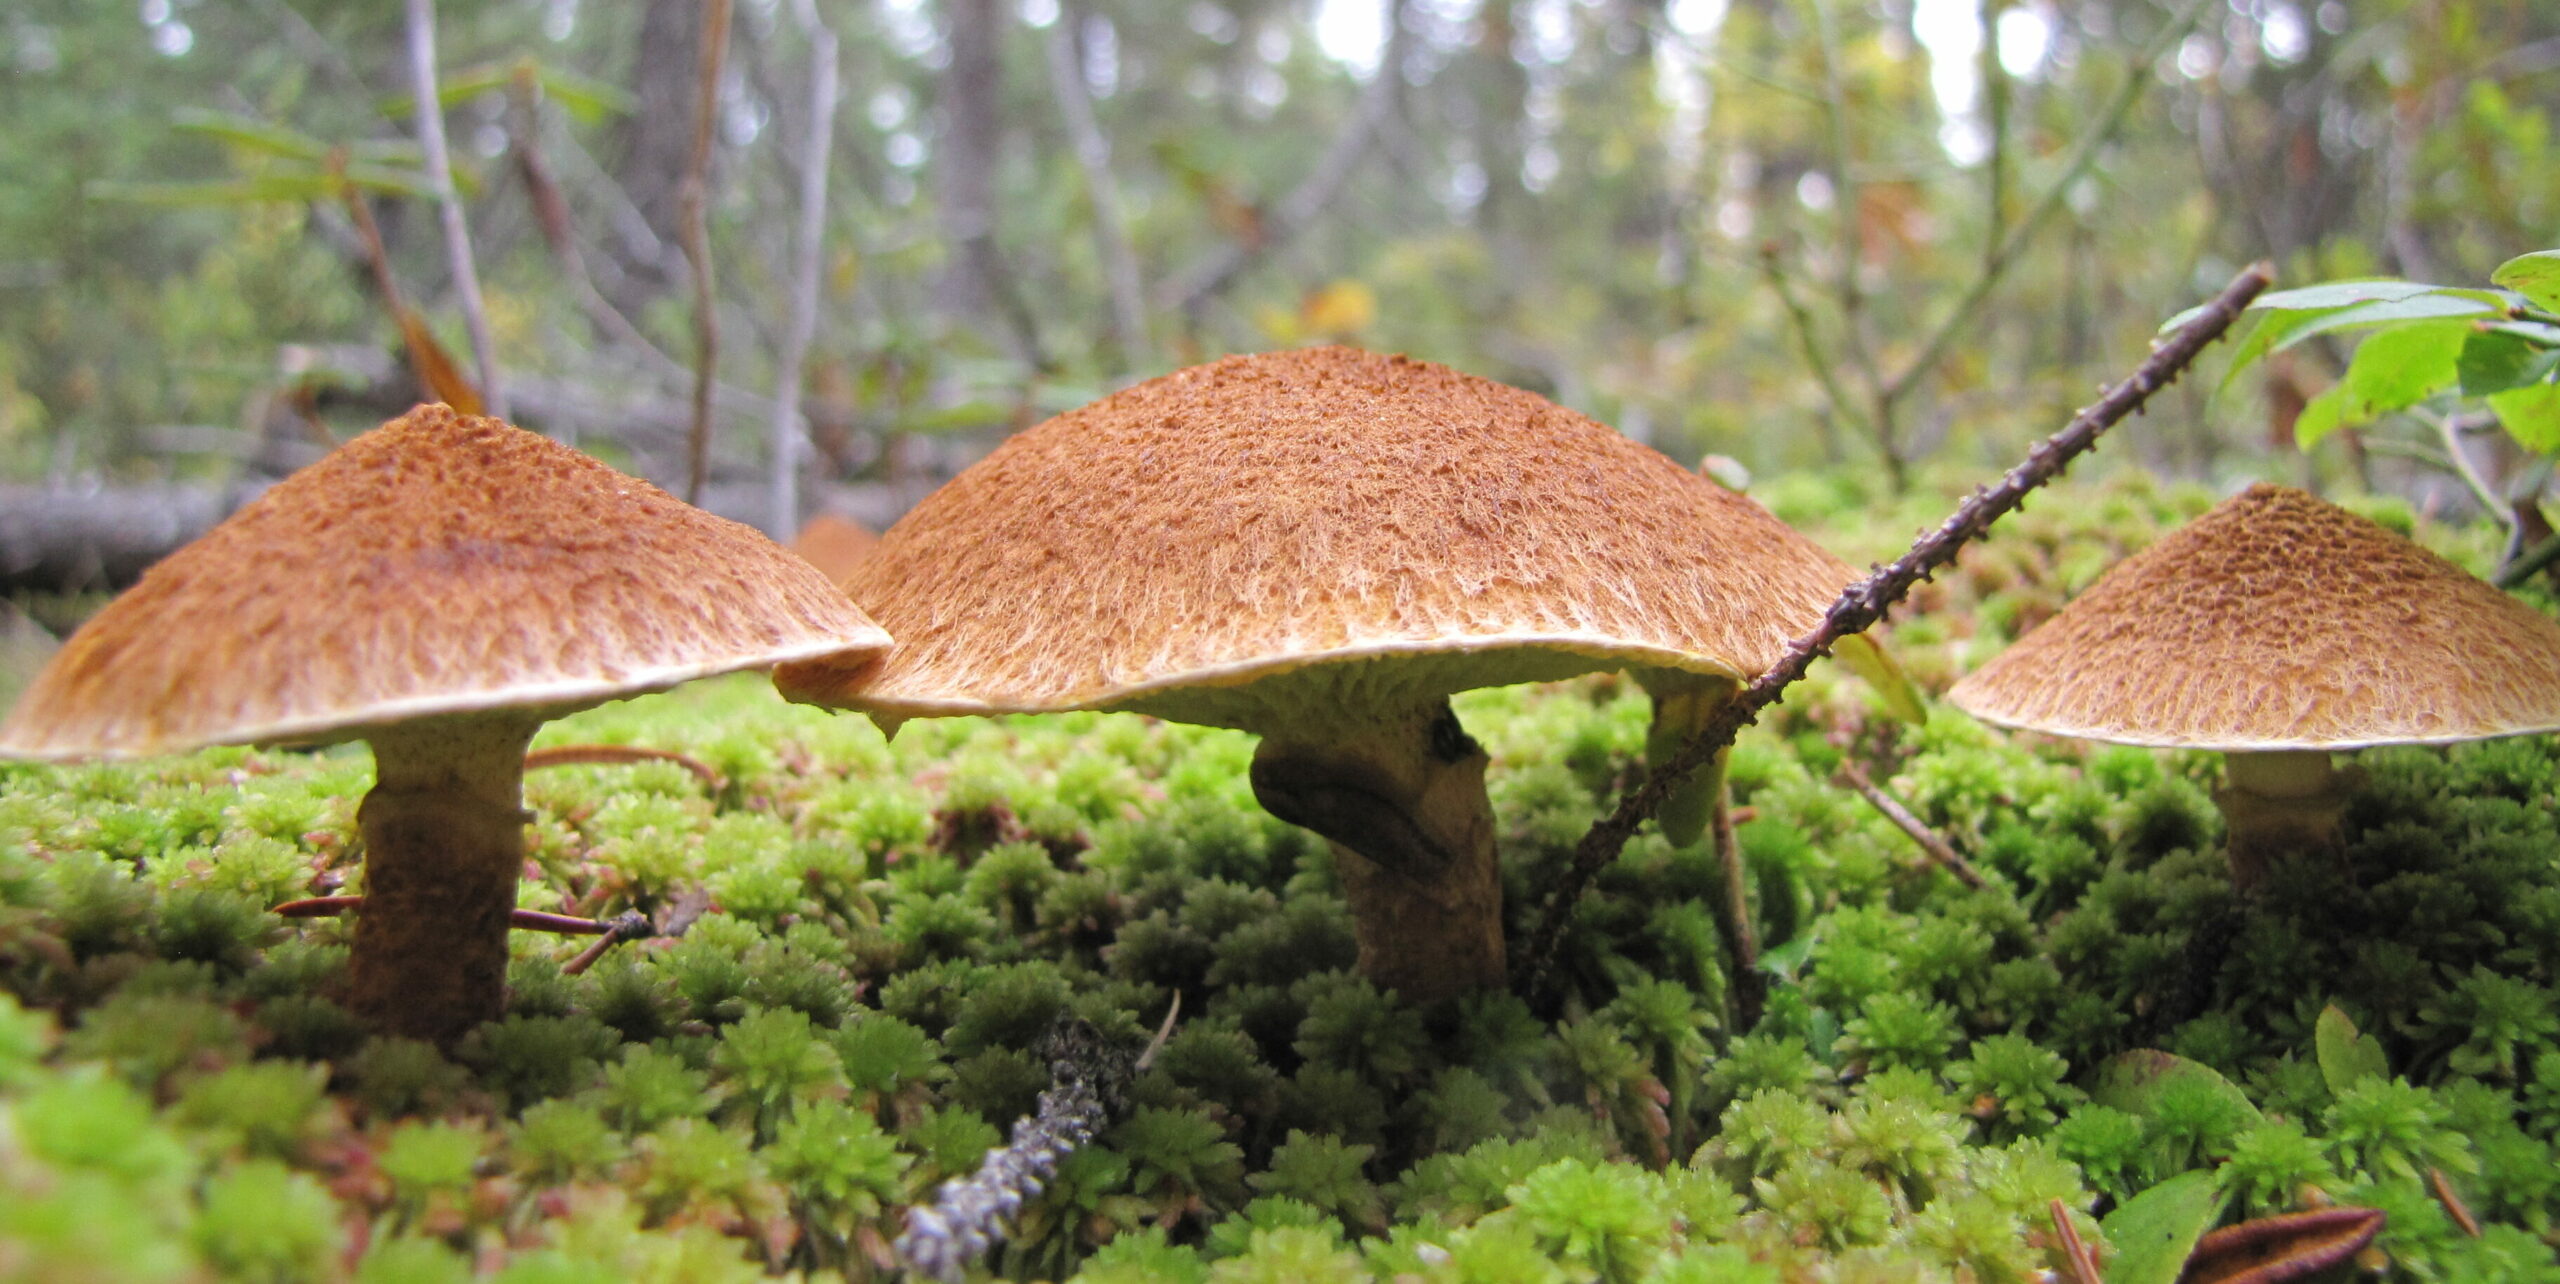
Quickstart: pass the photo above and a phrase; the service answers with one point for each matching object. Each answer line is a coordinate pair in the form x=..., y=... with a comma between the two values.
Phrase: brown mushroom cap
x=2279, y=621
x=1273, y=516
x=835, y=545
x=441, y=563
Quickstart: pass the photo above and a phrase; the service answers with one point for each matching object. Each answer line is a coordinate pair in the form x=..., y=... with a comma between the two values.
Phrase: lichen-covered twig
x=1864, y=603
x=1089, y=1078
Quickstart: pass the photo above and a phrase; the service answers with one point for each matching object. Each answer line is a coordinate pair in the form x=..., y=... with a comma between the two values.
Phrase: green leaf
x=2347, y=1057
x=2133, y=1081
x=2339, y=294
x=2392, y=370
x=2319, y=418
x=2536, y=276
x=1872, y=662
x=2156, y=1231
x=250, y=134
x=236, y=191
x=2402, y=366
x=586, y=100
x=2540, y=333
x=2531, y=416
x=2496, y=360
x=2279, y=329
x=2434, y=306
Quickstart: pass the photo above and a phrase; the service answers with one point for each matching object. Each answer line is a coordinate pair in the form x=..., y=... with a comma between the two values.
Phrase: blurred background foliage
x=1797, y=233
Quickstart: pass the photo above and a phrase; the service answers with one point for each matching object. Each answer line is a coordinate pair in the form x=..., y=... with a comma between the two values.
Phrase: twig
x=808, y=264
x=631, y=925
x=2076, y=1256
x=1801, y=321
x=2449, y=428
x=1864, y=602
x=672, y=921
x=1089, y=1086
x=2453, y=1204
x=1844, y=282
x=611, y=755
x=2525, y=567
x=1733, y=918
x=457, y=234
x=1939, y=850
x=1188, y=290
x=2084, y=153
x=1093, y=155
x=692, y=197
x=523, y=920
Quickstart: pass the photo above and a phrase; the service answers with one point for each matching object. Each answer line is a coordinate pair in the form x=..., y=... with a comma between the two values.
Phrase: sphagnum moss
x=770, y=1092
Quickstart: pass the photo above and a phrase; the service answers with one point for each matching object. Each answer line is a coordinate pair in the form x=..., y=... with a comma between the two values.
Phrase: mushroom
x=834, y=544
x=439, y=587
x=1320, y=547
x=2279, y=628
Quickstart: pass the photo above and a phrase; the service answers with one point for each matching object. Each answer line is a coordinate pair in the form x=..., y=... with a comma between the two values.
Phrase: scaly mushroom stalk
x=444, y=846
x=1403, y=804
x=2276, y=803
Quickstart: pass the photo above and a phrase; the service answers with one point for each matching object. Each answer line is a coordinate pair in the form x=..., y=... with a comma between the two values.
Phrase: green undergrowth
x=894, y=924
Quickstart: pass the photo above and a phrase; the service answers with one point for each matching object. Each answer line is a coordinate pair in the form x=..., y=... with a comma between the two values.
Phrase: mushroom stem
x=2277, y=802
x=444, y=845
x=1403, y=804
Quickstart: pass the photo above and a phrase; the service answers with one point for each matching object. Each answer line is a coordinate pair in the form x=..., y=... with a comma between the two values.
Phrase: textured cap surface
x=2279, y=621
x=439, y=563
x=1163, y=547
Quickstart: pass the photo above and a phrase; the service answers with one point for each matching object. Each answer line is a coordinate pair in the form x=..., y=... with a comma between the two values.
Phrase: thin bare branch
x=807, y=266
x=1188, y=290
x=1865, y=602
x=1800, y=320
x=2084, y=153
x=457, y=234
x=694, y=196
x=2449, y=429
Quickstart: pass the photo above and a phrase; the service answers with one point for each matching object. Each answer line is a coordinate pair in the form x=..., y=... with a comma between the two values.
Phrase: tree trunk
x=965, y=161
x=657, y=136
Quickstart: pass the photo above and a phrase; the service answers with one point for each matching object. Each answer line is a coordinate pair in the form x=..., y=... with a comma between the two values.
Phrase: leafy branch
x=2428, y=351
x=1884, y=391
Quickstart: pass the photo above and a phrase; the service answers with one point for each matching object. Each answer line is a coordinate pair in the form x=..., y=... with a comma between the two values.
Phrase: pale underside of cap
x=2279, y=621
x=1235, y=542
x=440, y=564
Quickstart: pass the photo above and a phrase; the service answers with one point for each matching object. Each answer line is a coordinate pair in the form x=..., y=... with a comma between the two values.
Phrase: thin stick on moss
x=1891, y=808
x=1865, y=602
x=2076, y=1257
x=614, y=755
x=2453, y=1205
x=523, y=920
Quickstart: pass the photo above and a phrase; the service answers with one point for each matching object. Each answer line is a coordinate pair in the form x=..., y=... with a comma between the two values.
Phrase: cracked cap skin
x=1249, y=542
x=442, y=563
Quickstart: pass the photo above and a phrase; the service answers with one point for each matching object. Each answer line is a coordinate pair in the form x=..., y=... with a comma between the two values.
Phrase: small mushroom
x=1320, y=547
x=439, y=587
x=2279, y=628
x=834, y=544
